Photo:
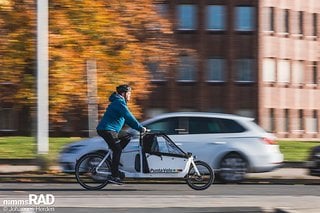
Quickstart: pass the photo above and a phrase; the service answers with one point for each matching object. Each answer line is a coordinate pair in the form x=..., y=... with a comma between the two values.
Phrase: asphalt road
x=173, y=198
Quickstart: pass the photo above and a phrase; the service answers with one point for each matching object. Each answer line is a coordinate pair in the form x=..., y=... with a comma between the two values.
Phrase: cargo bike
x=155, y=157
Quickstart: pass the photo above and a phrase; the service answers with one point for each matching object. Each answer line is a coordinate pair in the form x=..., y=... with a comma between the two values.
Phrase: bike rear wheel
x=87, y=174
x=202, y=181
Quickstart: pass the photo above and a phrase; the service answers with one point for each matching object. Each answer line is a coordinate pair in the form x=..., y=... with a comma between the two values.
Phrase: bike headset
x=123, y=88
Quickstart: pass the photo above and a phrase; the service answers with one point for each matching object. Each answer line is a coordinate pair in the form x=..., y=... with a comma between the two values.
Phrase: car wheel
x=233, y=168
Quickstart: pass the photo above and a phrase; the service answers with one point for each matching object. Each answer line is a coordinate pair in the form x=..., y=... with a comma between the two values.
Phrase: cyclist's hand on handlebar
x=143, y=130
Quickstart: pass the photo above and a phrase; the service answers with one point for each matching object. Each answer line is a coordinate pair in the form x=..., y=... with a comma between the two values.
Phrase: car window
x=203, y=126
x=230, y=126
x=167, y=126
x=199, y=125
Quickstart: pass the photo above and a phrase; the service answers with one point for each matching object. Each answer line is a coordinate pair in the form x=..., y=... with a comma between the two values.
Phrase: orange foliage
x=120, y=35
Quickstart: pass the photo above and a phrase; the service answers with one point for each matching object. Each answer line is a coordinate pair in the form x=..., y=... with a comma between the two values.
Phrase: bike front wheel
x=87, y=174
x=202, y=181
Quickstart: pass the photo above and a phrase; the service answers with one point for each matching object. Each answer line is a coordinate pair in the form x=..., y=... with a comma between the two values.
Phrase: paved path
x=170, y=198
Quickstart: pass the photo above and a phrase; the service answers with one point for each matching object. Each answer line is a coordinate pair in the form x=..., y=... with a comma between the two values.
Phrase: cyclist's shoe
x=115, y=180
x=122, y=175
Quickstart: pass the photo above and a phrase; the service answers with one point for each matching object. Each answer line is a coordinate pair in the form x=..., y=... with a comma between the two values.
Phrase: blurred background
x=253, y=58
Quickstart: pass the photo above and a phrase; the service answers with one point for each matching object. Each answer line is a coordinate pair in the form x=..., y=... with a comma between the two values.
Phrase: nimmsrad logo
x=34, y=203
x=164, y=170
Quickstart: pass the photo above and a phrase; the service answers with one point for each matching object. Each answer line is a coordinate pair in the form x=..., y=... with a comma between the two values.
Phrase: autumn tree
x=122, y=36
x=17, y=52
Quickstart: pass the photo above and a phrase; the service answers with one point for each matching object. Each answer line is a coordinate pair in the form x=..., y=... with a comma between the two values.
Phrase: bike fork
x=195, y=168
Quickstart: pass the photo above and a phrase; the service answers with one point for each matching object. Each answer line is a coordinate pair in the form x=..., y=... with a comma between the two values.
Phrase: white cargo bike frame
x=198, y=174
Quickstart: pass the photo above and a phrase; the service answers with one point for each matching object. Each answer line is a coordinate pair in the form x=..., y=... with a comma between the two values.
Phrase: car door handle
x=178, y=144
x=218, y=142
x=180, y=130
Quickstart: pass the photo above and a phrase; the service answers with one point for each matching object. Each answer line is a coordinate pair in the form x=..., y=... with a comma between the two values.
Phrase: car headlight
x=317, y=155
x=71, y=149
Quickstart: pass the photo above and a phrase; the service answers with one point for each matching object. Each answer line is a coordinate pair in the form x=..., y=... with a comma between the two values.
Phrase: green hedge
x=26, y=148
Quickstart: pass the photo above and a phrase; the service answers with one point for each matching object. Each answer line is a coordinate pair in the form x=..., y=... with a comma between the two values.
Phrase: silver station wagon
x=232, y=145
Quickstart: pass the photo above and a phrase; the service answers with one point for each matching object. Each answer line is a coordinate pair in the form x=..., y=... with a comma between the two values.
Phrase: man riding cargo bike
x=156, y=155
x=109, y=128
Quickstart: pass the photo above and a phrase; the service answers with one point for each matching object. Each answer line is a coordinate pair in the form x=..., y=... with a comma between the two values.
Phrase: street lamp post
x=42, y=77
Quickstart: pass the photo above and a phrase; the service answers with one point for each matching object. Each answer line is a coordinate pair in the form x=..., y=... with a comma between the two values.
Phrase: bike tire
x=85, y=171
x=204, y=181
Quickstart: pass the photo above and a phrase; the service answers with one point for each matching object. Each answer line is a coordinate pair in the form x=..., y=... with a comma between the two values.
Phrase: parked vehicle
x=232, y=145
x=313, y=162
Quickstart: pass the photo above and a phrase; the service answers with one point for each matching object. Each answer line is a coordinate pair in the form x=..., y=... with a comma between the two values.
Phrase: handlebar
x=142, y=133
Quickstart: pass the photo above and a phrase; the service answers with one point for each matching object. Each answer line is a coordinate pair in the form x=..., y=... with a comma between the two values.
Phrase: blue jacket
x=117, y=114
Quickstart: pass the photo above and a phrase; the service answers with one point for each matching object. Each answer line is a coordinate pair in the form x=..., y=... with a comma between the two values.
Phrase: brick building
x=257, y=58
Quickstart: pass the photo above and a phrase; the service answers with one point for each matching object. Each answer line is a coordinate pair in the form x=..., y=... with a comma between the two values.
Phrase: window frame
x=269, y=19
x=187, y=20
x=211, y=69
x=242, y=22
x=219, y=25
x=187, y=70
x=315, y=24
x=266, y=77
x=283, y=79
x=298, y=72
x=7, y=119
x=300, y=22
x=157, y=75
x=238, y=72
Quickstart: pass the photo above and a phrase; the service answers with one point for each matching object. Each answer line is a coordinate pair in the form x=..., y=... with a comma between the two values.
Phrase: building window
x=315, y=72
x=283, y=71
x=245, y=70
x=187, y=69
x=270, y=125
x=187, y=17
x=216, y=17
x=269, y=19
x=7, y=119
x=244, y=18
x=315, y=24
x=300, y=21
x=300, y=127
x=286, y=21
x=269, y=70
x=315, y=120
x=162, y=10
x=286, y=121
x=157, y=74
x=312, y=122
x=297, y=72
x=215, y=70
x=272, y=120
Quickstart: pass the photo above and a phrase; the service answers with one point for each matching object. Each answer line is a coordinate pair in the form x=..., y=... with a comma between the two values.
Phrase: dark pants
x=116, y=142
